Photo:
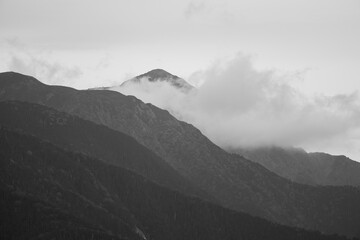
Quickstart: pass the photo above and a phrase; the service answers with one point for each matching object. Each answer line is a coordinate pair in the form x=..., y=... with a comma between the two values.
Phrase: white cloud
x=238, y=105
x=35, y=63
x=194, y=8
x=54, y=73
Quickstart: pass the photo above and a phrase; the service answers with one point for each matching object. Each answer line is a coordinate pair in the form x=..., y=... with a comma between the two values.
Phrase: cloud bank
x=238, y=105
x=20, y=59
x=42, y=69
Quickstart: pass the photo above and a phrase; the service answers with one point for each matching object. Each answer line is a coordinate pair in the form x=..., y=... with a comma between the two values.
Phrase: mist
x=237, y=105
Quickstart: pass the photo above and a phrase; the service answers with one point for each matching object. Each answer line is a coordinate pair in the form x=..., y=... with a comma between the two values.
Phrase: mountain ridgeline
x=78, y=135
x=289, y=162
x=230, y=180
x=50, y=193
x=308, y=168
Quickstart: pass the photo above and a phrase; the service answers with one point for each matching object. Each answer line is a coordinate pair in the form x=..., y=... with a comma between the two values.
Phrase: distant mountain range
x=302, y=167
x=203, y=170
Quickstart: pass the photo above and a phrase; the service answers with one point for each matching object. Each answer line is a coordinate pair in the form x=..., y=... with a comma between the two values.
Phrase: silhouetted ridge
x=9, y=78
x=113, y=200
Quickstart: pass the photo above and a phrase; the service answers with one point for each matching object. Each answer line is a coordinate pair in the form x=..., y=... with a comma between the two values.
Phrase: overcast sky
x=314, y=45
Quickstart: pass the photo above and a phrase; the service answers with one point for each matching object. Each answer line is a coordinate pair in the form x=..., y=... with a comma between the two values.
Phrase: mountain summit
x=160, y=75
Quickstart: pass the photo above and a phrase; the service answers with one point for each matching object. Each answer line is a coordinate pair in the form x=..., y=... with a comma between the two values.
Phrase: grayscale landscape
x=179, y=120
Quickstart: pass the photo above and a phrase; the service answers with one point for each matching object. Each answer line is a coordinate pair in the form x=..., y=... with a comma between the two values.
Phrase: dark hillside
x=116, y=200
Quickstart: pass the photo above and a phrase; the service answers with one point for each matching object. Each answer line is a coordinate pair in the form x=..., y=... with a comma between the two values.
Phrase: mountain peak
x=155, y=74
x=9, y=78
x=160, y=75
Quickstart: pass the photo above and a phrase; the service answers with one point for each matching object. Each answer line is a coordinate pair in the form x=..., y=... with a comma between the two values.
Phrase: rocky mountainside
x=51, y=193
x=233, y=181
x=302, y=167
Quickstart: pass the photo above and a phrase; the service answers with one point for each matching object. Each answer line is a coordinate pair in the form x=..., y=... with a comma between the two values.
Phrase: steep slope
x=113, y=199
x=343, y=170
x=73, y=133
x=302, y=167
x=235, y=182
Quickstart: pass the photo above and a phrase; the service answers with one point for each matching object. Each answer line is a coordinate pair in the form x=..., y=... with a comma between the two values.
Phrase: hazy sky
x=313, y=45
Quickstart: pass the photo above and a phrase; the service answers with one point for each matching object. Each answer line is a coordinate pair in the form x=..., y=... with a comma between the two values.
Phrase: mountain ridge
x=236, y=182
x=288, y=162
x=119, y=202
x=308, y=168
x=98, y=141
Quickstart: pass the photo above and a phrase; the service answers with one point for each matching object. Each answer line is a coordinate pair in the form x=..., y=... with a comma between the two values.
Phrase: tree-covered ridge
x=119, y=201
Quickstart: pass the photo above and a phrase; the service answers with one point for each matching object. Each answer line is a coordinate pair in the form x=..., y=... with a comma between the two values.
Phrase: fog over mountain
x=179, y=120
x=86, y=44
x=238, y=105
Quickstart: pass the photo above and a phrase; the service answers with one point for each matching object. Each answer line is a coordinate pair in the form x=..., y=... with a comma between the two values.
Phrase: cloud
x=39, y=68
x=22, y=60
x=158, y=93
x=194, y=8
x=238, y=105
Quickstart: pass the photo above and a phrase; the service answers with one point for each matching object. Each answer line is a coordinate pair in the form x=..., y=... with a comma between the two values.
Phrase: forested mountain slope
x=235, y=182
x=59, y=184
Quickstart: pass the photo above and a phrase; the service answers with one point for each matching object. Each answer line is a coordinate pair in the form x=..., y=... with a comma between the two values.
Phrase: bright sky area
x=89, y=43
